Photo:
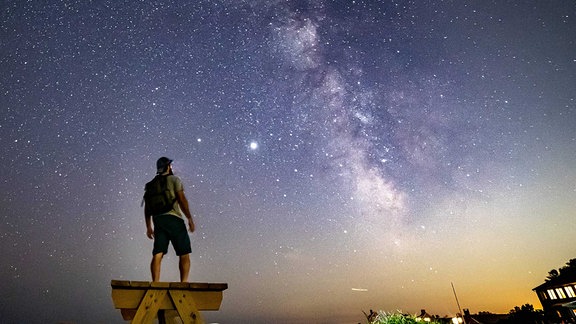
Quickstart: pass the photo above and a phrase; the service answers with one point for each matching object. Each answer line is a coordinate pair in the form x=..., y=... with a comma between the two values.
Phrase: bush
x=394, y=318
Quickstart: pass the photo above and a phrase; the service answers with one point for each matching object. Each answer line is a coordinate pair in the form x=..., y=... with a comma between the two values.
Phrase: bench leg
x=149, y=306
x=186, y=307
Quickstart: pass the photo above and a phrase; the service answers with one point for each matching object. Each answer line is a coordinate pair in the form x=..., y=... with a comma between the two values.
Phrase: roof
x=559, y=281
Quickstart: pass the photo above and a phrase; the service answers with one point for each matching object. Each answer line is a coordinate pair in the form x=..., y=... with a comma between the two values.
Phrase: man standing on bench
x=165, y=203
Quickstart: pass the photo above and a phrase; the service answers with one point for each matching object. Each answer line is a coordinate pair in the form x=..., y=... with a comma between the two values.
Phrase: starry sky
x=338, y=156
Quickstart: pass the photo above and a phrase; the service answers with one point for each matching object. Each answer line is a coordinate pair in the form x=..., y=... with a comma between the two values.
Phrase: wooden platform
x=170, y=302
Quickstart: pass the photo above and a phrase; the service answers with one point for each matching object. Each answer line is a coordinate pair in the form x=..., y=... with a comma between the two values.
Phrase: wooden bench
x=144, y=301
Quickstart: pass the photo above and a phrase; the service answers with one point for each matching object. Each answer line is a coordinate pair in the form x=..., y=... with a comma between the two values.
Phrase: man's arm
x=148, y=218
x=183, y=202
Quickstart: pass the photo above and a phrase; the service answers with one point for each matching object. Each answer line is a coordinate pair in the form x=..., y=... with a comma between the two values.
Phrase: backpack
x=157, y=197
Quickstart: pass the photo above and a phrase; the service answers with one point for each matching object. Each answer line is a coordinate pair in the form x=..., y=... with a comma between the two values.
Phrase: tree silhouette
x=569, y=270
x=552, y=274
x=525, y=314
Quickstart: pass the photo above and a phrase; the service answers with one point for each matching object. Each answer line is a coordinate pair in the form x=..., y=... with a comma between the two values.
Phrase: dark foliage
x=525, y=314
x=569, y=270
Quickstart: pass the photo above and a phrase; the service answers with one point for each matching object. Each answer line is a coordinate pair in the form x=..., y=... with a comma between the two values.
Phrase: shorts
x=169, y=228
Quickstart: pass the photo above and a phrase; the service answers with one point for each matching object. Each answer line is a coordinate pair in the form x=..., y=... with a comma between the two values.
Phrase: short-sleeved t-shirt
x=174, y=184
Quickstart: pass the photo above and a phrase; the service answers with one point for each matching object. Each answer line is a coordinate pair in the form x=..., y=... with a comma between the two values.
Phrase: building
x=558, y=298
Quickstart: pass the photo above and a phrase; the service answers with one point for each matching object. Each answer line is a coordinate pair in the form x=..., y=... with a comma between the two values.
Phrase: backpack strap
x=146, y=188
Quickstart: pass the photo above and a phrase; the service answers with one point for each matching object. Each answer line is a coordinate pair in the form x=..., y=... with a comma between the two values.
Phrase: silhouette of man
x=170, y=226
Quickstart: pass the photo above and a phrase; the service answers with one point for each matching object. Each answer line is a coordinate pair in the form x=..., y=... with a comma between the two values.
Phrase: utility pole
x=458, y=303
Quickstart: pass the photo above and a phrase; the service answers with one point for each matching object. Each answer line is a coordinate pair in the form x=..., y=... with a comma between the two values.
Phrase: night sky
x=338, y=156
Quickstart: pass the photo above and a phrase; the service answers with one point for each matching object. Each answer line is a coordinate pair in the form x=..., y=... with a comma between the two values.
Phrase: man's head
x=162, y=165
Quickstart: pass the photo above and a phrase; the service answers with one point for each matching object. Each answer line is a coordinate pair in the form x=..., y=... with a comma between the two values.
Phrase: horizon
x=338, y=156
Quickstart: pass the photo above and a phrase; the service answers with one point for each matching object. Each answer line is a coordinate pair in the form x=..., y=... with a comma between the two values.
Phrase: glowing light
x=253, y=145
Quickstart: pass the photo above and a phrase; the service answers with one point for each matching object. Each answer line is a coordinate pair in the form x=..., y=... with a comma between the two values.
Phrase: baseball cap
x=162, y=164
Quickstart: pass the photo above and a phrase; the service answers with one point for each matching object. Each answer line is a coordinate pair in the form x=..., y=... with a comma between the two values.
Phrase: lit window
x=561, y=293
x=552, y=294
x=570, y=291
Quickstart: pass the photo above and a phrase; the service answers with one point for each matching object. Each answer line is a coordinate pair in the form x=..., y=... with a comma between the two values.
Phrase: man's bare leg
x=155, y=266
x=184, y=266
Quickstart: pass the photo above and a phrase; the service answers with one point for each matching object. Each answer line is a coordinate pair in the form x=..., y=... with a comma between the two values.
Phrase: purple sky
x=339, y=156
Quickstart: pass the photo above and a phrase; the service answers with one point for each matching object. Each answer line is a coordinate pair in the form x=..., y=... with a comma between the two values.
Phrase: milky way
x=338, y=156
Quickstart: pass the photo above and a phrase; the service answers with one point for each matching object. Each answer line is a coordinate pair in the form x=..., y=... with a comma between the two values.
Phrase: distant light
x=253, y=145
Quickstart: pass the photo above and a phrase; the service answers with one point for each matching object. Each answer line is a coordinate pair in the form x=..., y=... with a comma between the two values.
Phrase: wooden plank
x=125, y=284
x=127, y=298
x=149, y=306
x=207, y=300
x=160, y=285
x=180, y=285
x=186, y=307
x=140, y=284
x=130, y=298
x=128, y=314
x=217, y=286
x=120, y=283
